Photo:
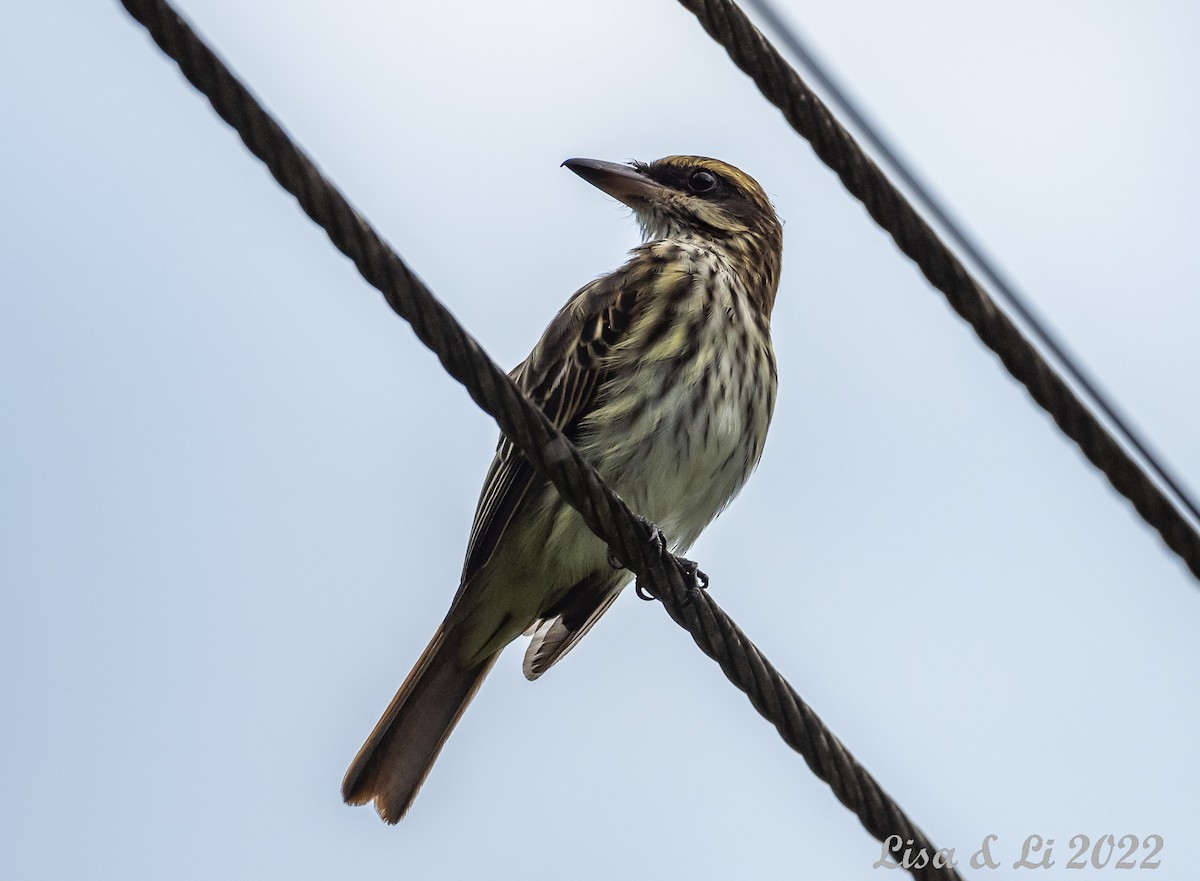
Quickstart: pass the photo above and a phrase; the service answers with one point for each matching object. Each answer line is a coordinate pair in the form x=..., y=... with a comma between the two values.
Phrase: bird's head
x=681, y=195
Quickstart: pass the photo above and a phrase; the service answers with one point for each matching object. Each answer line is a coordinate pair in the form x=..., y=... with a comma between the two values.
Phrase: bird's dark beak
x=619, y=181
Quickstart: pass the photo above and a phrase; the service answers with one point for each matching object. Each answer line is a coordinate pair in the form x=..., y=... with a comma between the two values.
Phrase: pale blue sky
x=235, y=491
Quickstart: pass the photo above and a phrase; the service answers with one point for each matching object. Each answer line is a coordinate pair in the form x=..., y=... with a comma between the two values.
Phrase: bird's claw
x=613, y=561
x=697, y=580
x=655, y=535
x=695, y=577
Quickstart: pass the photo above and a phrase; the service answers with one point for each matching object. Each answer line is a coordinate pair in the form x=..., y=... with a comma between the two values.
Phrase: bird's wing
x=563, y=627
x=562, y=376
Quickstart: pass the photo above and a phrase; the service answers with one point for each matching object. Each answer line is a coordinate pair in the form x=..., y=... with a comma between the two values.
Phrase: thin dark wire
x=970, y=246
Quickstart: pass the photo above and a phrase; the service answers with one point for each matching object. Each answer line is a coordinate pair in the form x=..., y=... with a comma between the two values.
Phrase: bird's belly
x=684, y=473
x=686, y=455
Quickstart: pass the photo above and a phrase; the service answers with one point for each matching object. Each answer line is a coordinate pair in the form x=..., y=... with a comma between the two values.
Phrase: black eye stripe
x=697, y=180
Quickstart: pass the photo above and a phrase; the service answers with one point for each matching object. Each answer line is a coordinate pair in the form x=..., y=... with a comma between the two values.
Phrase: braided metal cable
x=632, y=539
x=833, y=144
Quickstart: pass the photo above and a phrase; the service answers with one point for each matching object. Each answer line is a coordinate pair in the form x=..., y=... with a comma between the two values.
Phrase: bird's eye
x=702, y=181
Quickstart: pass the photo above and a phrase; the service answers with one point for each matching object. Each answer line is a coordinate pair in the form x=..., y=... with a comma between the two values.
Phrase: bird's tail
x=395, y=760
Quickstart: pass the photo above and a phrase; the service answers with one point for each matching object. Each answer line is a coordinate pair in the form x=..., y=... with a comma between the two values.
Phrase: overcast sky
x=235, y=490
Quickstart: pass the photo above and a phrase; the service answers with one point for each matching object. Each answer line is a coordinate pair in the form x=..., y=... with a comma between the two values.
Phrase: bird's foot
x=660, y=546
x=691, y=571
x=655, y=535
x=697, y=580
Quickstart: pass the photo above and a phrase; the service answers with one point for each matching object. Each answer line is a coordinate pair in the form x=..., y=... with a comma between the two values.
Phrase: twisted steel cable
x=631, y=539
x=782, y=86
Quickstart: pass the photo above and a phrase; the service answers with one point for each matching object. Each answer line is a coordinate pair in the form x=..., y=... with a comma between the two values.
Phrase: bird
x=663, y=375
